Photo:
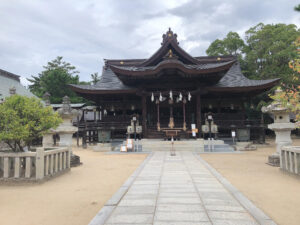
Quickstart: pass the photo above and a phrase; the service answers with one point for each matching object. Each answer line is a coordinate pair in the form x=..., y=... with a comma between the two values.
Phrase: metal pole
x=172, y=147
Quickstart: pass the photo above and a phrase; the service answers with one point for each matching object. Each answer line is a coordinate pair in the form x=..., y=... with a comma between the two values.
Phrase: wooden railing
x=290, y=159
x=34, y=165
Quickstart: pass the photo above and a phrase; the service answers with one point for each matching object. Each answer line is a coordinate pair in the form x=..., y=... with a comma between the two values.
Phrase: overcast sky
x=84, y=32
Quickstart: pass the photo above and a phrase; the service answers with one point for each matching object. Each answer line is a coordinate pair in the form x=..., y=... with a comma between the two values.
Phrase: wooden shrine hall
x=172, y=90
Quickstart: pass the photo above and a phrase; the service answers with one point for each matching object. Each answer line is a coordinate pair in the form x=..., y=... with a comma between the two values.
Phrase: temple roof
x=235, y=80
x=203, y=68
x=225, y=71
x=108, y=83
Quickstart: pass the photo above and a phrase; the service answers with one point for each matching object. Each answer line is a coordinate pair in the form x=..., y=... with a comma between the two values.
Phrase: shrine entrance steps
x=164, y=145
x=198, y=145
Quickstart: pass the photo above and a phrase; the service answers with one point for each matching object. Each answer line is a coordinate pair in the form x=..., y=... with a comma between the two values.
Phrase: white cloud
x=34, y=32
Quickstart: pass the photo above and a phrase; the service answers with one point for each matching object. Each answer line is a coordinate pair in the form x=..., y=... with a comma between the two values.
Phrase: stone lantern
x=66, y=128
x=282, y=127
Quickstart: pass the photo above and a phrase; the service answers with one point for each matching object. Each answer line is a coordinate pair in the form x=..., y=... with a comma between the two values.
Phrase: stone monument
x=282, y=127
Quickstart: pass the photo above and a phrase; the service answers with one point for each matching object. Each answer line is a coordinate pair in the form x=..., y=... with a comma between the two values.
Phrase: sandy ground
x=275, y=192
x=71, y=199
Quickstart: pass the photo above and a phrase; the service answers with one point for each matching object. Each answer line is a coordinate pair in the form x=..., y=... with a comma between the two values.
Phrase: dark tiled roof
x=203, y=66
x=108, y=82
x=138, y=62
x=235, y=78
x=232, y=79
x=9, y=75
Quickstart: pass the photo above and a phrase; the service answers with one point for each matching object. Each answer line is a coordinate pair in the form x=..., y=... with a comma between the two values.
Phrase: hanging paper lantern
x=171, y=95
x=189, y=96
x=160, y=97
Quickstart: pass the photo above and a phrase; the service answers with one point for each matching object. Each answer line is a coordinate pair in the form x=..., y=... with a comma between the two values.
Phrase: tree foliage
x=23, y=119
x=289, y=99
x=232, y=44
x=55, y=79
x=297, y=8
x=269, y=50
x=95, y=78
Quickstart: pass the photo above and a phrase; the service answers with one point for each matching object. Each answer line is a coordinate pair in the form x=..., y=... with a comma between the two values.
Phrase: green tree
x=24, y=119
x=232, y=44
x=55, y=79
x=297, y=8
x=95, y=78
x=268, y=51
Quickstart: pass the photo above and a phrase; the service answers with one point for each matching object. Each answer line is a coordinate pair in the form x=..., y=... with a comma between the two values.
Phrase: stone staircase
x=182, y=145
x=198, y=145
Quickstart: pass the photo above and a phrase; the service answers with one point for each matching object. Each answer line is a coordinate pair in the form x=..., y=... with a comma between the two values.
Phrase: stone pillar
x=144, y=115
x=198, y=113
x=39, y=173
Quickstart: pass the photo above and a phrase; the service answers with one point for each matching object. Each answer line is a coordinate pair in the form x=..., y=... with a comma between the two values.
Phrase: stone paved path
x=178, y=190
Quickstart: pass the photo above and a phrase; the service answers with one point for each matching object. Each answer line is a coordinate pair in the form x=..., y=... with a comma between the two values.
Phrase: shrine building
x=173, y=90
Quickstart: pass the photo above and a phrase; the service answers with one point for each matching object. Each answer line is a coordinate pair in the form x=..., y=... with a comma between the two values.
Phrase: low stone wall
x=34, y=166
x=290, y=159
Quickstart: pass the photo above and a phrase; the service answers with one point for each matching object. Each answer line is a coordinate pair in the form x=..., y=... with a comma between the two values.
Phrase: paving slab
x=180, y=190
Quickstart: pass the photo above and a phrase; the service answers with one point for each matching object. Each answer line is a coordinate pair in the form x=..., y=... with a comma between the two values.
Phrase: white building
x=9, y=80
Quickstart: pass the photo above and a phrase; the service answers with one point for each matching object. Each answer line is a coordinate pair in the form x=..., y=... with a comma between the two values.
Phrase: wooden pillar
x=183, y=112
x=144, y=115
x=198, y=113
x=77, y=134
x=158, y=122
x=219, y=106
x=124, y=106
x=171, y=122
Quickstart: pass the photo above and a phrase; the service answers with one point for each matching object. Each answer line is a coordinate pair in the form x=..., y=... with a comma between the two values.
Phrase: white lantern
x=189, y=96
x=152, y=97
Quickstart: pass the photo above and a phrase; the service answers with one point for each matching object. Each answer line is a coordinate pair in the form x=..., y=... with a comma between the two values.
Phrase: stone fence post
x=40, y=153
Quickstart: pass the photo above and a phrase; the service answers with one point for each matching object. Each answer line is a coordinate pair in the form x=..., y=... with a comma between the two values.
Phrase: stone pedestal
x=48, y=140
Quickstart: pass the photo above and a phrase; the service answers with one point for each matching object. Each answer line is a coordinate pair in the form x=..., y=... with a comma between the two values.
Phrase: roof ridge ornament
x=169, y=36
x=170, y=55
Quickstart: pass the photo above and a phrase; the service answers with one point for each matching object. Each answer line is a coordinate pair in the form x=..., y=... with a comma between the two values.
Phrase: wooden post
x=183, y=111
x=198, y=114
x=77, y=134
x=158, y=122
x=84, y=145
x=171, y=122
x=219, y=106
x=144, y=115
